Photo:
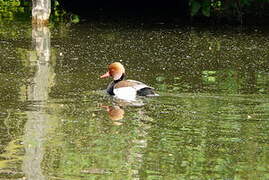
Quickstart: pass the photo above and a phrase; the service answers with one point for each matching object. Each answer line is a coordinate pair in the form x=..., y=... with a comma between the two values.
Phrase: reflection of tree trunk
x=41, y=11
x=37, y=125
x=35, y=132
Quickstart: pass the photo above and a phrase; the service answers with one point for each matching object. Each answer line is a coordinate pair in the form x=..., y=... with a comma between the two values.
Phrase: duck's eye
x=111, y=71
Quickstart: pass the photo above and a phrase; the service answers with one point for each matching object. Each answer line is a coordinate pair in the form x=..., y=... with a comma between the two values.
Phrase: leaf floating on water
x=160, y=78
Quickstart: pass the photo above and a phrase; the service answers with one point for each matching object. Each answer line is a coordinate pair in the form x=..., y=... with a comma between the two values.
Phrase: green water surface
x=211, y=120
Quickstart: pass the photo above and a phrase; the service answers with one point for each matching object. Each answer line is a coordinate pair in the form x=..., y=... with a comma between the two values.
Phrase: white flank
x=125, y=93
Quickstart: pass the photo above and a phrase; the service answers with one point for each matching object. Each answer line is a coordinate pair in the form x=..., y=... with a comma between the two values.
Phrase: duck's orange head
x=116, y=70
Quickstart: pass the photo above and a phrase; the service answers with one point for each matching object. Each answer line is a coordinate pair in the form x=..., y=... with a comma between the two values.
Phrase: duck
x=125, y=89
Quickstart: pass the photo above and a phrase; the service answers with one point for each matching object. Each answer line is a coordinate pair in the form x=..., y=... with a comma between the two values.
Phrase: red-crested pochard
x=125, y=89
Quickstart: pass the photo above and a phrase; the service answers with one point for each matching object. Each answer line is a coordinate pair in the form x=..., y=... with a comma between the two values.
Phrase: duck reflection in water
x=115, y=113
x=116, y=110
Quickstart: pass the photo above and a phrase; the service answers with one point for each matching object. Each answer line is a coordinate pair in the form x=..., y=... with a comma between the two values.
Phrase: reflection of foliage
x=12, y=157
x=14, y=30
x=197, y=6
x=59, y=14
x=15, y=9
x=9, y=9
x=188, y=137
x=95, y=155
x=11, y=130
x=227, y=8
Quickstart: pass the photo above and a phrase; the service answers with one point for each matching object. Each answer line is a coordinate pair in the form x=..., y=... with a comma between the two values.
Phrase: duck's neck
x=110, y=87
x=120, y=79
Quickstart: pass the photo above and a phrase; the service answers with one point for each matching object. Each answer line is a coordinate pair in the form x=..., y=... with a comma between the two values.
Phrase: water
x=211, y=120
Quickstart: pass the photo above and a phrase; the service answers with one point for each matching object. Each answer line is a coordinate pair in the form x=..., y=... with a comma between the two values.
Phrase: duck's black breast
x=110, y=88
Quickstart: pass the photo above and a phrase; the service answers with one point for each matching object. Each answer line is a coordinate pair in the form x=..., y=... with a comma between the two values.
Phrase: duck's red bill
x=105, y=75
